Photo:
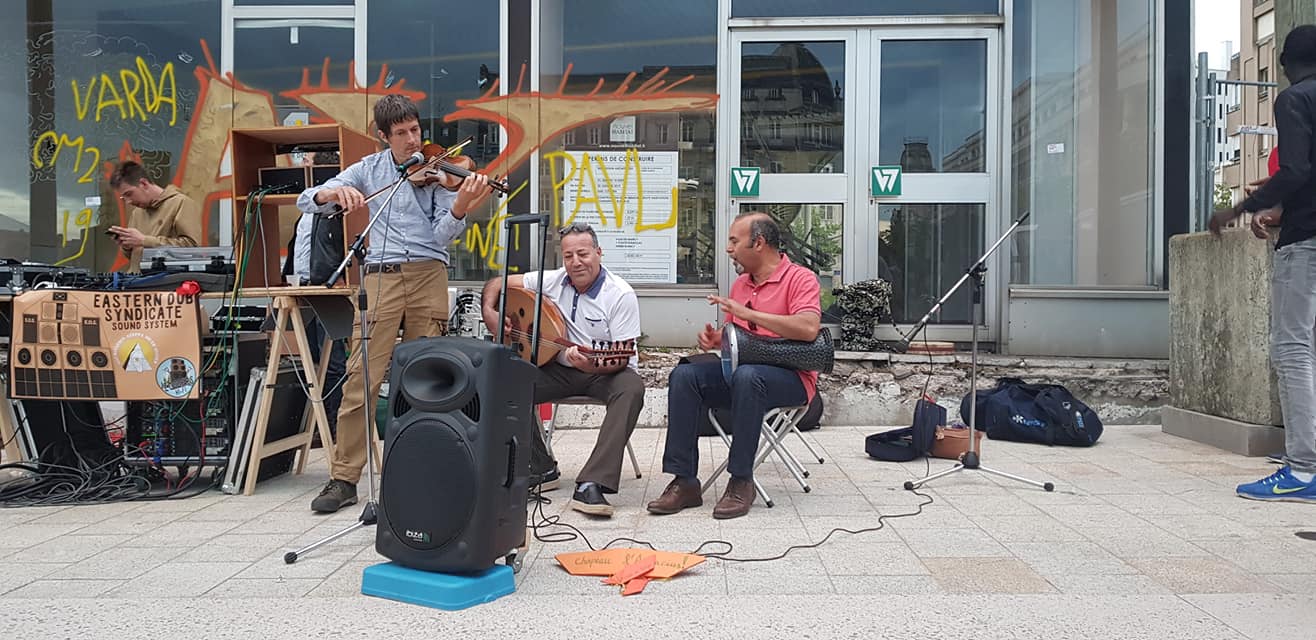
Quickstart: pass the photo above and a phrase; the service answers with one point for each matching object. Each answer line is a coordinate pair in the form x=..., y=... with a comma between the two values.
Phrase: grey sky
x=1214, y=22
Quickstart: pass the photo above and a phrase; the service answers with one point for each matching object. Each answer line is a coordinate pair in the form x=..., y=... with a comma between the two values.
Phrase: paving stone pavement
x=1143, y=538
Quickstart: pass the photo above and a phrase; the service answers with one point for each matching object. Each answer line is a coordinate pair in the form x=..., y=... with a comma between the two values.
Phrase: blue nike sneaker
x=1279, y=486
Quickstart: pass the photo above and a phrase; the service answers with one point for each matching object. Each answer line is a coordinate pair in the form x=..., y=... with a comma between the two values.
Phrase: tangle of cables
x=78, y=464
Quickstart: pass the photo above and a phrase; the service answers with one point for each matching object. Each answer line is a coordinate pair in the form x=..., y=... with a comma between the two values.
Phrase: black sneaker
x=588, y=498
x=336, y=495
x=546, y=481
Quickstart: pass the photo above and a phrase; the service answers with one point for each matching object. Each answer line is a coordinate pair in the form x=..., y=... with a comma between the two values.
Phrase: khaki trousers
x=414, y=298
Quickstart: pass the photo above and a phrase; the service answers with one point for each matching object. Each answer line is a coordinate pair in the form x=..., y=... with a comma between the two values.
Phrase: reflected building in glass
x=1069, y=110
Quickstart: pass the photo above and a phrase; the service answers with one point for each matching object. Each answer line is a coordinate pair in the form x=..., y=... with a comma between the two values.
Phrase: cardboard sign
x=105, y=345
x=609, y=562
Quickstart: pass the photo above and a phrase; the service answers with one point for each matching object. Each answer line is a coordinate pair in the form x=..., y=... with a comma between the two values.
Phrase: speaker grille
x=400, y=405
x=430, y=489
x=472, y=408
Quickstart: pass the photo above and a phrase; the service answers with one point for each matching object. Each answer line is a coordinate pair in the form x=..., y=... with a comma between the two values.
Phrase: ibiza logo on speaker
x=418, y=536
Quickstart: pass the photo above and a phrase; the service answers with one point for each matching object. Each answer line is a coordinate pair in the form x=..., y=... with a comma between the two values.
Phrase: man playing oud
x=598, y=306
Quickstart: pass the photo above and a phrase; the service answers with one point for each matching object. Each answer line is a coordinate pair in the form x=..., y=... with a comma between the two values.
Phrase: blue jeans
x=1292, y=338
x=694, y=388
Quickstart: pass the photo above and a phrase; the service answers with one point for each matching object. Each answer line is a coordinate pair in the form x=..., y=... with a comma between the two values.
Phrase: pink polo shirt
x=790, y=289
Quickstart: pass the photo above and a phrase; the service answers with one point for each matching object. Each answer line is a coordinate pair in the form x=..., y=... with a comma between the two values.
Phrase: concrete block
x=1220, y=327
x=1231, y=435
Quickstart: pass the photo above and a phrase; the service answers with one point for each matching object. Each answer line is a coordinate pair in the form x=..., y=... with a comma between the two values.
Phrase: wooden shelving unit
x=254, y=149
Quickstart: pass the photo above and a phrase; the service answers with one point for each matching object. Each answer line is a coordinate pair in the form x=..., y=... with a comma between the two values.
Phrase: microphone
x=415, y=159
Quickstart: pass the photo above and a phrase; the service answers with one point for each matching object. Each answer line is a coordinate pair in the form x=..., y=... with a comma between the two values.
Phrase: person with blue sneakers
x=1293, y=279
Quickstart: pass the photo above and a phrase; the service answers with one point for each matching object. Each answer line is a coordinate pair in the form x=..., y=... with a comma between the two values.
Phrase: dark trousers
x=694, y=388
x=621, y=392
x=332, y=385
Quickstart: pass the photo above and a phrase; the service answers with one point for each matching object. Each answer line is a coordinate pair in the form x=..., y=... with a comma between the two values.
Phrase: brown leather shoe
x=677, y=496
x=736, y=501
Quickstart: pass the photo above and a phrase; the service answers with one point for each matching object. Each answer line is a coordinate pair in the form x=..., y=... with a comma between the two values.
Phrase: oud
x=553, y=335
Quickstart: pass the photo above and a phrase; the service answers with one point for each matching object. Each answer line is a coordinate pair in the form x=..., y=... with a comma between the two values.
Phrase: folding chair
x=581, y=401
x=777, y=424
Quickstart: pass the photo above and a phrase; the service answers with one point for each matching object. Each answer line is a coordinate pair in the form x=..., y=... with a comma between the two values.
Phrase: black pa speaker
x=456, y=455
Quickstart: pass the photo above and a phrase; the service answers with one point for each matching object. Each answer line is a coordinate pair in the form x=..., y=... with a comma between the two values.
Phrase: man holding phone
x=157, y=216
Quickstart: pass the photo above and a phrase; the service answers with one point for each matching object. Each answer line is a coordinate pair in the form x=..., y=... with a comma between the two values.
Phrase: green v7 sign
x=744, y=182
x=885, y=181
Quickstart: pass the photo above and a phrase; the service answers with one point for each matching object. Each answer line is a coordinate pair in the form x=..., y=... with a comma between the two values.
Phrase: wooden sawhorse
x=335, y=312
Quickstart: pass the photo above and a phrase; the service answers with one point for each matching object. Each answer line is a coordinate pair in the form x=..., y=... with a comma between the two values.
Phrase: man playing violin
x=772, y=297
x=406, y=277
x=597, y=306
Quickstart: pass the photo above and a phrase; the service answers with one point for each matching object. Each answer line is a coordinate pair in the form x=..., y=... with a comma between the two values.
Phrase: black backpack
x=1042, y=413
x=327, y=250
x=912, y=442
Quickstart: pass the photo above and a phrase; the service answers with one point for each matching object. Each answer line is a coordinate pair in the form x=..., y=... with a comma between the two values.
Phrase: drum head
x=730, y=350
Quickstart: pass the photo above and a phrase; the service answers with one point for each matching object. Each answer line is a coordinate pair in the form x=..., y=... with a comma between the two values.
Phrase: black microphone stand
x=970, y=460
x=368, y=514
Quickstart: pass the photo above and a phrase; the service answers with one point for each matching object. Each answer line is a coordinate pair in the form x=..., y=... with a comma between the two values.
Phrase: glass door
x=877, y=148
x=934, y=126
x=795, y=141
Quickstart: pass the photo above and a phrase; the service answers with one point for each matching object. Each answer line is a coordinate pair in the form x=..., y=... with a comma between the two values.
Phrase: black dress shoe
x=588, y=498
x=546, y=481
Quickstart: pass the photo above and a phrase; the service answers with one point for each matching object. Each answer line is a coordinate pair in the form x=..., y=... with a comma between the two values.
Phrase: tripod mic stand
x=970, y=460
x=368, y=515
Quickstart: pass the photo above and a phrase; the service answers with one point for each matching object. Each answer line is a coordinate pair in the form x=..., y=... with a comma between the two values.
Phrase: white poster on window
x=629, y=197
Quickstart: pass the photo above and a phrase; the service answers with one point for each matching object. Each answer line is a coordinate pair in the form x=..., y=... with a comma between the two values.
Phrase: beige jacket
x=173, y=220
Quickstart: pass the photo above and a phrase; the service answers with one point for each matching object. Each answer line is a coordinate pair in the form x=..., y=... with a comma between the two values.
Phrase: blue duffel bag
x=1043, y=413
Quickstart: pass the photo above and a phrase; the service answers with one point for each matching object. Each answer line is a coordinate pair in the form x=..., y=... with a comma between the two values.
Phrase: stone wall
x=879, y=389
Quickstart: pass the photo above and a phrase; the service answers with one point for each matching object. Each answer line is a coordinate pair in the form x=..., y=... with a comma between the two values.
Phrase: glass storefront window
x=1082, y=131
x=795, y=8
x=15, y=236
x=934, y=105
x=271, y=59
x=104, y=81
x=923, y=249
x=628, y=123
x=141, y=80
x=448, y=55
x=295, y=2
x=792, y=107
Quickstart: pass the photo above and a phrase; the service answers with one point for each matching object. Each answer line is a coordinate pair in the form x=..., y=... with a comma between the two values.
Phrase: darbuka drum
x=739, y=346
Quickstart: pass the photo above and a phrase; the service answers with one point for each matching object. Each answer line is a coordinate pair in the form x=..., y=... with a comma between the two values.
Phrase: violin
x=443, y=166
x=447, y=168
